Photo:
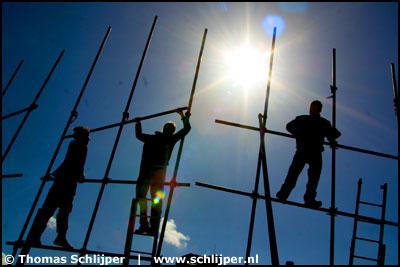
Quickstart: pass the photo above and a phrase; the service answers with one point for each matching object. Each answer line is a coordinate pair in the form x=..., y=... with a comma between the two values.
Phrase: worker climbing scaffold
x=156, y=153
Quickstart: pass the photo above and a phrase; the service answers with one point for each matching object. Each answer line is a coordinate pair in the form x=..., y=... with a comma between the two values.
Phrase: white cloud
x=172, y=236
x=52, y=223
x=3, y=261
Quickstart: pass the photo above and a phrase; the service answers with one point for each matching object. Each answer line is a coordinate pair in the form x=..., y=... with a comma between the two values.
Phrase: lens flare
x=272, y=21
x=159, y=196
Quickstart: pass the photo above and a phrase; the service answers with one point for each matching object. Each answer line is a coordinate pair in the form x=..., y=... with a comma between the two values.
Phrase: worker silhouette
x=61, y=194
x=310, y=132
x=156, y=153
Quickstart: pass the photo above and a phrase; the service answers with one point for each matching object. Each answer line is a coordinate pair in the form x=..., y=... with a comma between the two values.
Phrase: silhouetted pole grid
x=331, y=211
x=14, y=175
x=72, y=117
x=15, y=113
x=32, y=107
x=333, y=167
x=3, y=92
x=178, y=157
x=137, y=119
x=300, y=205
x=125, y=116
x=262, y=163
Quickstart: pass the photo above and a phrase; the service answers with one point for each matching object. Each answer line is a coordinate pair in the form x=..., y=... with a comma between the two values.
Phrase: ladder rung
x=371, y=204
x=141, y=252
x=365, y=258
x=146, y=234
x=147, y=216
x=138, y=215
x=366, y=239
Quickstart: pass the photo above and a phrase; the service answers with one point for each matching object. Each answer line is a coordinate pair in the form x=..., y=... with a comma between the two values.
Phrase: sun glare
x=246, y=66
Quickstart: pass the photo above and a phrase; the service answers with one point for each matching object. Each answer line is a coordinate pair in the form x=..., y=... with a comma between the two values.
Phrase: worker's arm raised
x=139, y=134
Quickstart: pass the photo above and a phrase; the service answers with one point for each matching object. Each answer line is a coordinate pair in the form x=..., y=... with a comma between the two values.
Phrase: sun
x=245, y=66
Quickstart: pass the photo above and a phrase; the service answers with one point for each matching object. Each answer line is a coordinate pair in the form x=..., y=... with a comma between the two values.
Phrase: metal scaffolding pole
x=175, y=174
x=333, y=167
x=14, y=175
x=114, y=181
x=113, y=125
x=262, y=163
x=15, y=113
x=3, y=92
x=125, y=116
x=350, y=148
x=37, y=96
x=396, y=102
x=300, y=205
x=72, y=117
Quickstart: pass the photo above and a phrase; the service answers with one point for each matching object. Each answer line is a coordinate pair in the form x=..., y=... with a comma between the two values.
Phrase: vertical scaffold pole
x=12, y=78
x=178, y=158
x=333, y=167
x=262, y=163
x=396, y=102
x=28, y=112
x=125, y=116
x=71, y=118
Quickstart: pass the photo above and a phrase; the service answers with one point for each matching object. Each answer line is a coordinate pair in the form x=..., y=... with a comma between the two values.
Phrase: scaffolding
x=26, y=246
x=27, y=110
x=332, y=211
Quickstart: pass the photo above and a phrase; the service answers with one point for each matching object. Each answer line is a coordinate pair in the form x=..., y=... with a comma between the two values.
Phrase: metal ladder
x=131, y=232
x=380, y=260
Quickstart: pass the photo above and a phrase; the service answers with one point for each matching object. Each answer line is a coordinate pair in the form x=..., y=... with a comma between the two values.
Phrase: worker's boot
x=313, y=203
x=282, y=195
x=144, y=225
x=309, y=199
x=61, y=241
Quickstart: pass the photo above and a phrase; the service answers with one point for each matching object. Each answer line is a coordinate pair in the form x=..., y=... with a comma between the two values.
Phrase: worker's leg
x=142, y=187
x=291, y=178
x=62, y=219
x=314, y=172
x=43, y=215
x=157, y=194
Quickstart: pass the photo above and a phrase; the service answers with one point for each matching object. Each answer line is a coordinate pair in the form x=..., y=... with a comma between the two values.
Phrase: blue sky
x=364, y=35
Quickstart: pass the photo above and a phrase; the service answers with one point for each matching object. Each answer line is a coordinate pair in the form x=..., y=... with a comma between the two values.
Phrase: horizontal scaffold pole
x=114, y=125
x=13, y=175
x=291, y=203
x=351, y=148
x=83, y=252
x=112, y=181
x=15, y=113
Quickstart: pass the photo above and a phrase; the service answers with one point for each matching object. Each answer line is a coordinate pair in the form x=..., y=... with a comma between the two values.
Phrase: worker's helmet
x=169, y=127
x=81, y=132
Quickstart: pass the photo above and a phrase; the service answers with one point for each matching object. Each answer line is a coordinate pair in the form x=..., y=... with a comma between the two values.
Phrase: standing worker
x=156, y=153
x=310, y=132
x=61, y=194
